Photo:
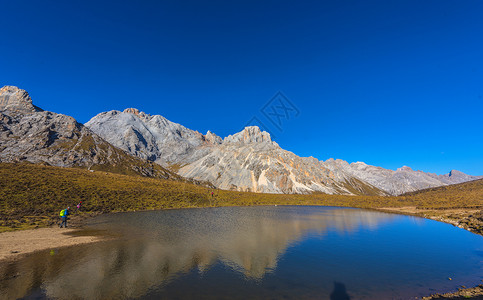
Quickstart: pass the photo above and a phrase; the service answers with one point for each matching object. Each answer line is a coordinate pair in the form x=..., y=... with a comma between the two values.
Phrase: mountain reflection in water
x=156, y=247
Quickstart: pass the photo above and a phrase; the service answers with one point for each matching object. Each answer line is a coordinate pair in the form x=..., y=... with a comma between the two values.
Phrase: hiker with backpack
x=63, y=216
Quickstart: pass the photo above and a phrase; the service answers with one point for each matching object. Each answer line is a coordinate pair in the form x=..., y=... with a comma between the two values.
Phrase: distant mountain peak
x=15, y=99
x=455, y=173
x=250, y=134
x=455, y=176
x=404, y=168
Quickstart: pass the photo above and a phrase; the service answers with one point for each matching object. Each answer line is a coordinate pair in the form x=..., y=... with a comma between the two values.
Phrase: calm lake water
x=283, y=252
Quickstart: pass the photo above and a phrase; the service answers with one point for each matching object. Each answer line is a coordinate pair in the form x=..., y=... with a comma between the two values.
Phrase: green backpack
x=62, y=213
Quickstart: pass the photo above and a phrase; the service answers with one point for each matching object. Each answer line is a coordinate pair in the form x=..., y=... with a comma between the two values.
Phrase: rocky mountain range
x=250, y=161
x=400, y=181
x=134, y=142
x=28, y=133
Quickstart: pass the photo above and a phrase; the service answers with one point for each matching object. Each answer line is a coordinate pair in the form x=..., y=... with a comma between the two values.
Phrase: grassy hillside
x=32, y=195
x=459, y=204
x=467, y=194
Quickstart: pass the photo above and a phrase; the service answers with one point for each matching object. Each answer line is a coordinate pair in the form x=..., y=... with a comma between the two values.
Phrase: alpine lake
x=265, y=252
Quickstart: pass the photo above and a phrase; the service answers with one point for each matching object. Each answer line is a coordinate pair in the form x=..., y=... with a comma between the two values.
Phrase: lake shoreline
x=16, y=244
x=469, y=219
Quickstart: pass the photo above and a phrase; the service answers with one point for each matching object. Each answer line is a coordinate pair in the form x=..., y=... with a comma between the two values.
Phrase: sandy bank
x=17, y=243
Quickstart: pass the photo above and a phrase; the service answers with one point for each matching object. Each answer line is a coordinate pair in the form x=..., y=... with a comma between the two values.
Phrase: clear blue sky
x=390, y=83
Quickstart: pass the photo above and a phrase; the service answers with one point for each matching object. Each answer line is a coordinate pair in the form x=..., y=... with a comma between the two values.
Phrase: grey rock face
x=212, y=138
x=251, y=134
x=30, y=134
x=265, y=167
x=151, y=137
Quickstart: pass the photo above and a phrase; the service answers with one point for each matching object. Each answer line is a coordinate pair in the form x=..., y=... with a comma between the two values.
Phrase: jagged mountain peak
x=337, y=160
x=15, y=99
x=136, y=112
x=250, y=134
x=213, y=138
